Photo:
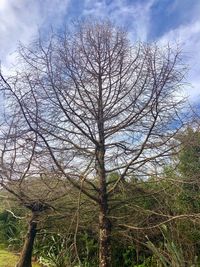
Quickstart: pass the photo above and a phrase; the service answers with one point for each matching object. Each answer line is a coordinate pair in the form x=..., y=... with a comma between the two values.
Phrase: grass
x=8, y=259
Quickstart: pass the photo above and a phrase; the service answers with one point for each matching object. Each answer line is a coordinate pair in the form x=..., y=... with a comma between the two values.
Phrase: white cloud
x=20, y=21
x=188, y=36
x=135, y=16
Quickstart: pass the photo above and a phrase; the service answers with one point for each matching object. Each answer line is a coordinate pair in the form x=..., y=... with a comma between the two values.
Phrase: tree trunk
x=104, y=222
x=104, y=238
x=26, y=254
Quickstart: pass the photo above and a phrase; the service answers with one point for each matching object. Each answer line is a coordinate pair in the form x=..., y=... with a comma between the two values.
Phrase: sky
x=161, y=21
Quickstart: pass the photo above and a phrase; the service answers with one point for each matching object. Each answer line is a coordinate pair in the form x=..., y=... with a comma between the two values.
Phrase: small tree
x=99, y=104
x=189, y=168
x=26, y=178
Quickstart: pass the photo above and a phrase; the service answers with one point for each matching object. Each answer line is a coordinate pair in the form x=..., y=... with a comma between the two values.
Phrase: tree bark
x=104, y=222
x=26, y=254
x=104, y=238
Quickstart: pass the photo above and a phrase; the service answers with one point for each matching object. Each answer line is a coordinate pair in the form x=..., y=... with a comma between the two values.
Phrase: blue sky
x=163, y=21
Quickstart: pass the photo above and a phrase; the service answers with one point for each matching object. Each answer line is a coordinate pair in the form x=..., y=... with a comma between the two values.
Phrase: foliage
x=11, y=230
x=169, y=253
x=189, y=157
x=52, y=250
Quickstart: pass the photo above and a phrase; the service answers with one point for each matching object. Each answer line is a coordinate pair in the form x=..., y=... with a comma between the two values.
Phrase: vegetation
x=8, y=259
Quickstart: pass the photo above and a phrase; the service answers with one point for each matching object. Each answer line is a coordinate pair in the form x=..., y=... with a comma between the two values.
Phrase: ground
x=8, y=259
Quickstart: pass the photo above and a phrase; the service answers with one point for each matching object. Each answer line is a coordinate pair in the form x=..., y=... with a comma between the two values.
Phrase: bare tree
x=100, y=104
x=26, y=178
